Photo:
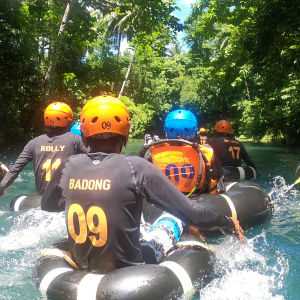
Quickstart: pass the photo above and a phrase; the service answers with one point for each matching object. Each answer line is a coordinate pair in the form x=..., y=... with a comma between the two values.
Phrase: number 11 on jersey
x=49, y=167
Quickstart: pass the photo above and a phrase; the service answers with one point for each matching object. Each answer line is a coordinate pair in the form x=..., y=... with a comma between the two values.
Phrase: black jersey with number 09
x=102, y=195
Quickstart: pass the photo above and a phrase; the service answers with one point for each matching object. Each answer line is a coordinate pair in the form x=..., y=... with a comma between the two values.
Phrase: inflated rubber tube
x=180, y=273
x=245, y=200
x=239, y=173
x=25, y=201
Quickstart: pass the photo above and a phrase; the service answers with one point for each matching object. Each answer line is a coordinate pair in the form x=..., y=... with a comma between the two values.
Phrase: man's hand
x=4, y=169
x=238, y=229
x=195, y=232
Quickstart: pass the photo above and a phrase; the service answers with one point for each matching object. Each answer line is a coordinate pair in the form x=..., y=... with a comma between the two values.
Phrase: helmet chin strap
x=179, y=135
x=125, y=141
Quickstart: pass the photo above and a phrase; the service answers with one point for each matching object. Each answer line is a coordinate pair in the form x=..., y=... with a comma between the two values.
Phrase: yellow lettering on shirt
x=71, y=185
x=231, y=141
x=85, y=184
x=77, y=185
x=98, y=185
x=106, y=185
x=52, y=148
x=92, y=185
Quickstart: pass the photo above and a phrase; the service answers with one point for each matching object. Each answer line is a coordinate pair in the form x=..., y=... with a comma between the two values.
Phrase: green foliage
x=20, y=76
x=86, y=64
x=243, y=63
x=250, y=49
x=140, y=117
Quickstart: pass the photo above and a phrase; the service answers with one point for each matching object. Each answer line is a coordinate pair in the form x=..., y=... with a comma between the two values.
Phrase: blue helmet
x=181, y=124
x=76, y=128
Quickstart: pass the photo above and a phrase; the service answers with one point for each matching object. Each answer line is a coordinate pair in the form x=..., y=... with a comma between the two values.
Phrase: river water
x=265, y=266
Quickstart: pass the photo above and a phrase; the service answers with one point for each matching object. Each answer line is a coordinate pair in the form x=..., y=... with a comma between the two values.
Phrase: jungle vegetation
x=241, y=62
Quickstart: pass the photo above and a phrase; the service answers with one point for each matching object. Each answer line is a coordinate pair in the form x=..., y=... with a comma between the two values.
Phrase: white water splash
x=32, y=228
x=257, y=268
x=281, y=190
x=29, y=233
x=243, y=273
x=286, y=200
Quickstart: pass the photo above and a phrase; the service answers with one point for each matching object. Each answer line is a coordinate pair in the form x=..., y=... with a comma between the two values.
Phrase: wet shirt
x=102, y=196
x=230, y=152
x=47, y=153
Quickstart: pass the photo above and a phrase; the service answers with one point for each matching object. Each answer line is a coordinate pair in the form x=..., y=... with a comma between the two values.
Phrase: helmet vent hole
x=66, y=118
x=118, y=119
x=172, y=129
x=186, y=129
x=47, y=118
x=58, y=118
x=83, y=121
x=179, y=112
x=94, y=120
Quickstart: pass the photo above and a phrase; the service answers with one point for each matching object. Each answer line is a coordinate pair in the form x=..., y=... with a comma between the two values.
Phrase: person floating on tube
x=102, y=192
x=47, y=151
x=230, y=151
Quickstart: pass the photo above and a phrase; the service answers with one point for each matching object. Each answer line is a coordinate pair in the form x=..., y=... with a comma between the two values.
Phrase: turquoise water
x=265, y=266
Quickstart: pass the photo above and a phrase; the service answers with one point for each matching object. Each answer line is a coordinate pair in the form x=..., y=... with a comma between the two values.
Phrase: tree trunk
x=224, y=42
x=118, y=54
x=127, y=74
x=47, y=79
x=56, y=49
x=247, y=90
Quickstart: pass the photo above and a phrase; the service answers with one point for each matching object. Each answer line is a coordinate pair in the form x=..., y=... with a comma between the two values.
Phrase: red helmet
x=202, y=130
x=58, y=114
x=104, y=116
x=223, y=126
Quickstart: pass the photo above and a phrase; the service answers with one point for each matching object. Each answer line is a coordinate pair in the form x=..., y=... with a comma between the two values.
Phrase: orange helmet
x=223, y=126
x=202, y=130
x=104, y=117
x=58, y=114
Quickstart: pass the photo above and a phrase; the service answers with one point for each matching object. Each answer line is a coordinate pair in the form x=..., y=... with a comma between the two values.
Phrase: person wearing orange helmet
x=202, y=136
x=228, y=149
x=103, y=202
x=47, y=151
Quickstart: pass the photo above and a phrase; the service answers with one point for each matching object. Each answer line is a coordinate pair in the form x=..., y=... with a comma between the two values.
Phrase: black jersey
x=231, y=152
x=47, y=153
x=102, y=196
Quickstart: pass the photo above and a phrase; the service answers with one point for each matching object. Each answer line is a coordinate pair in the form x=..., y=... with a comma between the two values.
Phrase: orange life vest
x=181, y=164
